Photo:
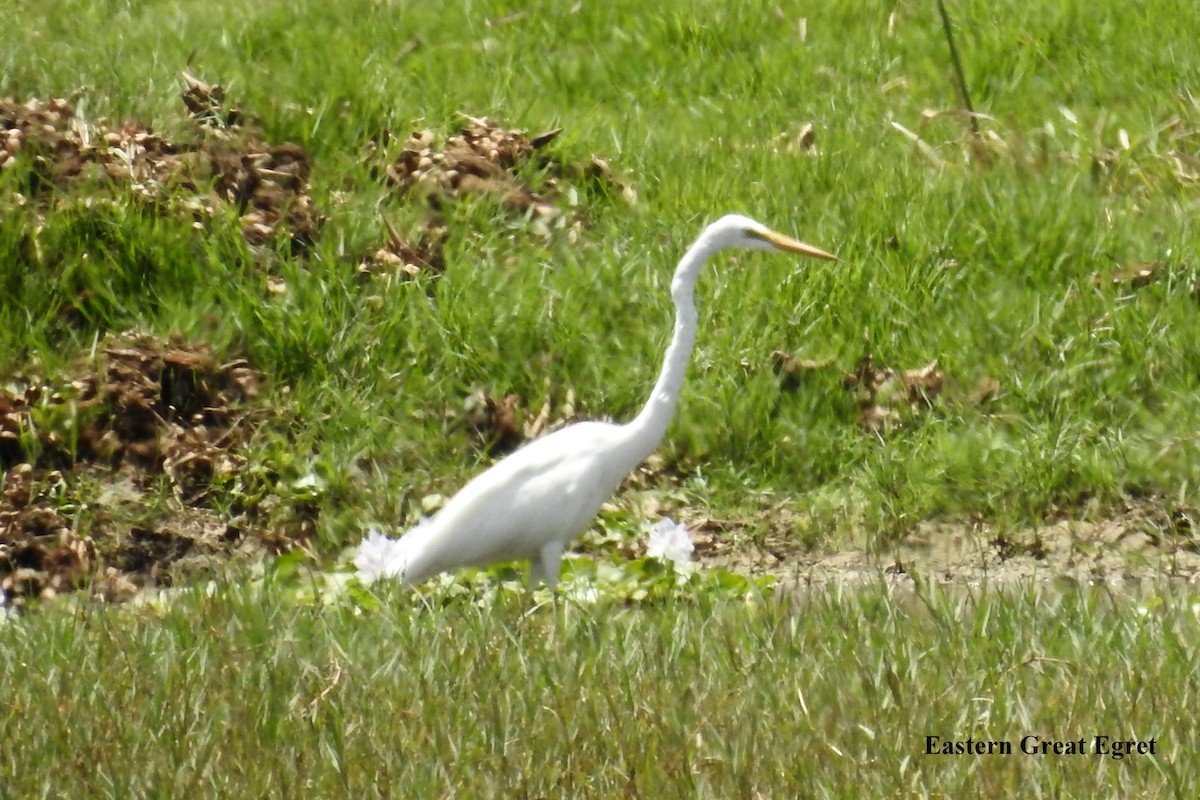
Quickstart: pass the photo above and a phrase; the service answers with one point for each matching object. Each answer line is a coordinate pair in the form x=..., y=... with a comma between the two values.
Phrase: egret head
x=734, y=230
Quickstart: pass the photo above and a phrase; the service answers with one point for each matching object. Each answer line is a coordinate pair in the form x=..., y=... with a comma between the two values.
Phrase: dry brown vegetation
x=886, y=398
x=150, y=425
x=481, y=160
x=219, y=167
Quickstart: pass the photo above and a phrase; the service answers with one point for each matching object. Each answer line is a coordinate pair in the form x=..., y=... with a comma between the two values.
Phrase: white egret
x=530, y=504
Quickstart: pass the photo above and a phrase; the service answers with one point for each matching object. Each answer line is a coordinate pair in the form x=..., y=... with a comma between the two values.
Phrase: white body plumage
x=531, y=503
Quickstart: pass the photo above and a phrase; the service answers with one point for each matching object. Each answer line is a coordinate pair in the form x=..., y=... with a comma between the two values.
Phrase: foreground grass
x=238, y=693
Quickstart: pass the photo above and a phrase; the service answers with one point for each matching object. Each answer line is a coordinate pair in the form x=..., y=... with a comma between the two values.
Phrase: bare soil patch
x=1146, y=541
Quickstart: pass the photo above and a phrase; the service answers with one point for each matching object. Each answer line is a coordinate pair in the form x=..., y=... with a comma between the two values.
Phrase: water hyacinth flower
x=670, y=540
x=381, y=556
x=310, y=481
x=378, y=557
x=584, y=595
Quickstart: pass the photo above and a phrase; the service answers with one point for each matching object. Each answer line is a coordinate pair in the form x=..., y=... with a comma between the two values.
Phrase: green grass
x=987, y=267
x=238, y=694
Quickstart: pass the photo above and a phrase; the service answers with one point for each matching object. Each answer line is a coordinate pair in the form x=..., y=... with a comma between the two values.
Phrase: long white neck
x=649, y=426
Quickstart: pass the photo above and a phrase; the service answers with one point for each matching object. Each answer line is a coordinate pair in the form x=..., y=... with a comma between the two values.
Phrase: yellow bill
x=790, y=245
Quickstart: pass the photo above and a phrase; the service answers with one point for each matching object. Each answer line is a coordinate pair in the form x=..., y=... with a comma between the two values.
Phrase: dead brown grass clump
x=147, y=425
x=482, y=160
x=886, y=399
x=221, y=162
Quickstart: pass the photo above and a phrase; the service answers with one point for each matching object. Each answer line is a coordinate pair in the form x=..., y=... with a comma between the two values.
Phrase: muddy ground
x=1144, y=543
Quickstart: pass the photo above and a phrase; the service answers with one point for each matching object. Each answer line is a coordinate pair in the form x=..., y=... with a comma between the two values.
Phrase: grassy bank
x=1014, y=260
